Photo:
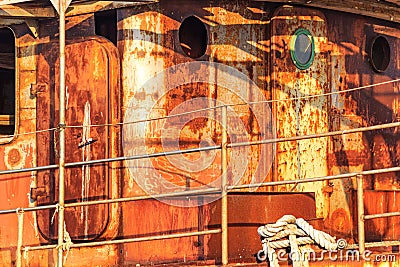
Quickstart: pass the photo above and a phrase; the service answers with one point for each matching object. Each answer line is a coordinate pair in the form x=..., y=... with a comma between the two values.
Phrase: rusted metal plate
x=240, y=35
x=91, y=100
x=247, y=212
x=153, y=217
x=17, y=152
x=386, y=10
x=351, y=52
x=154, y=51
x=367, y=106
x=302, y=114
x=377, y=202
x=150, y=44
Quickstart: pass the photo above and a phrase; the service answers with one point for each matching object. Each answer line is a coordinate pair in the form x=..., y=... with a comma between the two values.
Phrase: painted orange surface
x=253, y=38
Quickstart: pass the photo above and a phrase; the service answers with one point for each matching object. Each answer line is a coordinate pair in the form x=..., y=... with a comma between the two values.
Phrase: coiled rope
x=296, y=234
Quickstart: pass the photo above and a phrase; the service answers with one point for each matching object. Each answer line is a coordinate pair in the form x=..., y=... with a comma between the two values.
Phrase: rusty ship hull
x=320, y=81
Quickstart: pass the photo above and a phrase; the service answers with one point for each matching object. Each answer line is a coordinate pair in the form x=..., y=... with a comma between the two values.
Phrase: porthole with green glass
x=302, y=49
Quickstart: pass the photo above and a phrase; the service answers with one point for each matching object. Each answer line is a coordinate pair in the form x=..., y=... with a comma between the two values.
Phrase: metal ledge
x=386, y=10
x=29, y=9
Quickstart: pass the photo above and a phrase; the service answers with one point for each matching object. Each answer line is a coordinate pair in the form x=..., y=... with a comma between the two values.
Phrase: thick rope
x=301, y=241
x=55, y=212
x=296, y=234
x=323, y=239
x=66, y=246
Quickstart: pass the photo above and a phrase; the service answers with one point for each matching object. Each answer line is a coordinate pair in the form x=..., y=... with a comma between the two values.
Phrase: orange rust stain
x=382, y=159
x=14, y=157
x=376, y=202
x=398, y=152
x=339, y=221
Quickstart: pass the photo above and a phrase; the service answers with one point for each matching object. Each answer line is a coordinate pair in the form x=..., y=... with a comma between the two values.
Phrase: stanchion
x=20, y=214
x=360, y=211
x=61, y=169
x=224, y=183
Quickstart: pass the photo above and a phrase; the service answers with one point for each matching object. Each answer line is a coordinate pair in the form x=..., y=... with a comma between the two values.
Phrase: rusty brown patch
x=340, y=221
x=14, y=157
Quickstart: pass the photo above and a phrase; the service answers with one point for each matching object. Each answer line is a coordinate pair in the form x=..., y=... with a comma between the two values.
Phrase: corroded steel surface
x=92, y=99
x=376, y=202
x=351, y=51
x=150, y=45
x=18, y=152
x=308, y=158
x=251, y=37
x=261, y=208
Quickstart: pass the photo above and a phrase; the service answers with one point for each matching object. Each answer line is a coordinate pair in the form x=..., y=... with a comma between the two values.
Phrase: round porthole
x=193, y=37
x=380, y=54
x=302, y=49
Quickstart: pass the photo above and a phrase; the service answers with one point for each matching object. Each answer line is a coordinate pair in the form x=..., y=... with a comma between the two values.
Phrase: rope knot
x=296, y=234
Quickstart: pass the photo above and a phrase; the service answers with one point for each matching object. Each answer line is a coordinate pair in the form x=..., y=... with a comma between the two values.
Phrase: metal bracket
x=33, y=26
x=86, y=142
x=56, y=4
x=39, y=192
x=37, y=88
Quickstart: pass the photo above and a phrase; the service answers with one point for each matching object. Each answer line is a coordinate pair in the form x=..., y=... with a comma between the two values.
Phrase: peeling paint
x=85, y=168
x=253, y=37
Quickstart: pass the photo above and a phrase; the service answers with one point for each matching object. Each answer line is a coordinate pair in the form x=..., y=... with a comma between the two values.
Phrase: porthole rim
x=302, y=66
x=206, y=31
x=371, y=61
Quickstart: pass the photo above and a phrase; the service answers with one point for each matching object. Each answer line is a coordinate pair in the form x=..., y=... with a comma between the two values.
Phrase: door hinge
x=39, y=192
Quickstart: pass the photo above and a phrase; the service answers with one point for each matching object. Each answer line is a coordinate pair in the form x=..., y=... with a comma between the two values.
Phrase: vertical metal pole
x=20, y=214
x=360, y=210
x=224, y=182
x=295, y=252
x=61, y=170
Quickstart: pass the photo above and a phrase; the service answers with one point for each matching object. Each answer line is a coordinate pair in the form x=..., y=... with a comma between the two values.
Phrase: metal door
x=92, y=88
x=299, y=64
